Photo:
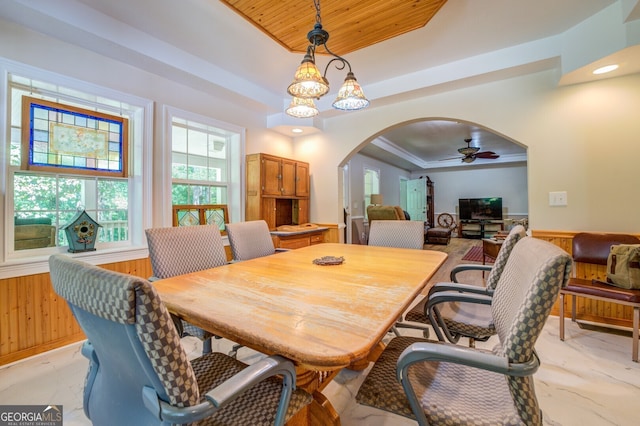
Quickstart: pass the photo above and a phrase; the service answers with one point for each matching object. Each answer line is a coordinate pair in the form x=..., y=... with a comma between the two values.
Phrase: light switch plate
x=558, y=198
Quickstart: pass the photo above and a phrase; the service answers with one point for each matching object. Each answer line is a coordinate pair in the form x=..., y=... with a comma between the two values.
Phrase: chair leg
x=234, y=351
x=573, y=307
x=636, y=324
x=206, y=346
x=562, y=317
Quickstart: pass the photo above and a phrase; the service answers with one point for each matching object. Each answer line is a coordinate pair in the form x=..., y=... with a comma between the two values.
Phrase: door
x=417, y=199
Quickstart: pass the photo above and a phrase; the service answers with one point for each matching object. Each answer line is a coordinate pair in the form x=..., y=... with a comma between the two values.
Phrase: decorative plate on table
x=329, y=260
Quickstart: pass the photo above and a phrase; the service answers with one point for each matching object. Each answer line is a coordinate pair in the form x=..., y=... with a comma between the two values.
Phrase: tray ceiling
x=352, y=24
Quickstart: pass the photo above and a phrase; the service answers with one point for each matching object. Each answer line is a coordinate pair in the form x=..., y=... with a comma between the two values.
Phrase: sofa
x=385, y=213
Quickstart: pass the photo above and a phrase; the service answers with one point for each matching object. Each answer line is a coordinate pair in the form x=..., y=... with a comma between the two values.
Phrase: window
x=42, y=200
x=206, y=161
x=371, y=185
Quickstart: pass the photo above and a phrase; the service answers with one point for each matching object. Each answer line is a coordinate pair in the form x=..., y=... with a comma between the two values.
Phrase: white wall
x=505, y=180
x=37, y=50
x=581, y=139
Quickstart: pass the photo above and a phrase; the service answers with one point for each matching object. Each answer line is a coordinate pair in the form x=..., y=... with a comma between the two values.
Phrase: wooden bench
x=590, y=253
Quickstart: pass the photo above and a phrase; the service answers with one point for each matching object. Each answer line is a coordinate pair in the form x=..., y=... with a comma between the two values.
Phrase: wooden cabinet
x=277, y=190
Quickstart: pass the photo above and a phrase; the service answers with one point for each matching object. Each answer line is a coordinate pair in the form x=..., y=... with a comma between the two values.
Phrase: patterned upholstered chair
x=457, y=310
x=250, y=239
x=397, y=233
x=442, y=383
x=139, y=373
x=181, y=250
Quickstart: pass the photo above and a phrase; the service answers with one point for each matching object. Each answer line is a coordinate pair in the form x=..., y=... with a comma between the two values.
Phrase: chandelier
x=308, y=83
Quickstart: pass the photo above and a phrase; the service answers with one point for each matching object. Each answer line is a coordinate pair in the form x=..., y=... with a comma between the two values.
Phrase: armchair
x=181, y=250
x=442, y=383
x=139, y=373
x=457, y=310
x=250, y=239
x=397, y=233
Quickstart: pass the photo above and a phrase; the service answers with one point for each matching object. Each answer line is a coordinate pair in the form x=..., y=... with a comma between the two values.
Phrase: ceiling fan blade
x=450, y=158
x=487, y=154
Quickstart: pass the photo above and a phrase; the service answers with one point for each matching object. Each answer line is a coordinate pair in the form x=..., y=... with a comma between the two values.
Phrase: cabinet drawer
x=316, y=239
x=294, y=243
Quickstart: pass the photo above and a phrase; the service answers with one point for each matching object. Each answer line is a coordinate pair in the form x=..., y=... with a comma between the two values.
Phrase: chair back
x=528, y=287
x=397, y=233
x=134, y=342
x=516, y=234
x=250, y=239
x=184, y=249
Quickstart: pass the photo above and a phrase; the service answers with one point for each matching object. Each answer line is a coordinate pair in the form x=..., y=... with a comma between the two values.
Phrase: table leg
x=319, y=412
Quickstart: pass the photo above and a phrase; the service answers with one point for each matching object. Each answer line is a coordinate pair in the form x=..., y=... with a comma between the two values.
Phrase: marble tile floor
x=587, y=380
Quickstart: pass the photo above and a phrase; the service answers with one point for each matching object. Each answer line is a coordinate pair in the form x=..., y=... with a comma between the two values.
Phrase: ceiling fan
x=470, y=153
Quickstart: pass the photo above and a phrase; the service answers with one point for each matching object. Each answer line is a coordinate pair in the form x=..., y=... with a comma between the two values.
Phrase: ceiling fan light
x=308, y=81
x=468, y=150
x=350, y=96
x=302, y=108
x=468, y=159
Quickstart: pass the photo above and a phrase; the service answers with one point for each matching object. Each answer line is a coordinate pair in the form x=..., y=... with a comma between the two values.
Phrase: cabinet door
x=269, y=212
x=302, y=211
x=302, y=179
x=271, y=175
x=288, y=181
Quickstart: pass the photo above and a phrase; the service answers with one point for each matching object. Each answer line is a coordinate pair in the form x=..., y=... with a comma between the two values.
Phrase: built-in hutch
x=278, y=193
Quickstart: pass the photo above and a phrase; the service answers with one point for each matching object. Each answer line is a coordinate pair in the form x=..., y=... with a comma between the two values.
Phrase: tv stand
x=480, y=228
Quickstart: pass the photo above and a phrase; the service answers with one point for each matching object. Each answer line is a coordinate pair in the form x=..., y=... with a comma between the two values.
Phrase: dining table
x=325, y=307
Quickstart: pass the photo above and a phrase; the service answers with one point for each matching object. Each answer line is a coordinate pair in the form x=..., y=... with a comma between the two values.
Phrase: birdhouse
x=81, y=232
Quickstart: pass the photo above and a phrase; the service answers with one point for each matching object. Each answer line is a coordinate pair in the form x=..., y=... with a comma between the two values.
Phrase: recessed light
x=296, y=130
x=605, y=69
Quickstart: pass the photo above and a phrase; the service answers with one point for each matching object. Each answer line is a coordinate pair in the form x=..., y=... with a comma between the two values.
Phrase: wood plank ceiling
x=352, y=24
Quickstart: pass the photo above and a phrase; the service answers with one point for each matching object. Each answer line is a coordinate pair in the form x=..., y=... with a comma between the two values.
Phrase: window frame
x=14, y=263
x=235, y=180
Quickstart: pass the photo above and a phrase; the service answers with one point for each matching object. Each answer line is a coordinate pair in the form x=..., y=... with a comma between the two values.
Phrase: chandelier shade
x=309, y=83
x=350, y=96
x=302, y=108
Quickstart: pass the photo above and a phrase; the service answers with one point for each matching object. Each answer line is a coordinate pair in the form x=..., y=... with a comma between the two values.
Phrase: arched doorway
x=434, y=147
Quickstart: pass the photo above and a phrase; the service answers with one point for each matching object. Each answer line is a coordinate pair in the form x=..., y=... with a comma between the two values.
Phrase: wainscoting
x=33, y=319
x=587, y=309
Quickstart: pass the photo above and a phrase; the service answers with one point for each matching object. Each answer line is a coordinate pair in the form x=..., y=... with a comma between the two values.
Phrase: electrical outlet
x=558, y=198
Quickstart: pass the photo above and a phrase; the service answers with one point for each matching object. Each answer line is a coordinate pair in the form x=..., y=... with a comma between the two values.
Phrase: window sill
x=40, y=264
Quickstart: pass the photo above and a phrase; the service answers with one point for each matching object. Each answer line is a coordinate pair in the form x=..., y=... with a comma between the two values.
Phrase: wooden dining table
x=322, y=317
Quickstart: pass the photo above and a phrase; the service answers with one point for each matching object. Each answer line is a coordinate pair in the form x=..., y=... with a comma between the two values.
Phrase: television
x=480, y=208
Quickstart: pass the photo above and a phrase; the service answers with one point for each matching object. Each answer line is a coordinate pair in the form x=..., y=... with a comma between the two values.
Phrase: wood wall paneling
x=587, y=309
x=34, y=319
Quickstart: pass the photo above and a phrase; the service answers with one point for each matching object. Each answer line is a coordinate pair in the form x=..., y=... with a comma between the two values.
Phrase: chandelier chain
x=316, y=3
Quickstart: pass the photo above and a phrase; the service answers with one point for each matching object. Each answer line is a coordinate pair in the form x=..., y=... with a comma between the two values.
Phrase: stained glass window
x=62, y=138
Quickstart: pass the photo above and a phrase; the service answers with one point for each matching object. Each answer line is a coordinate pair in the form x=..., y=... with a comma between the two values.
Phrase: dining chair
x=181, y=250
x=449, y=308
x=139, y=373
x=442, y=383
x=397, y=233
x=250, y=239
